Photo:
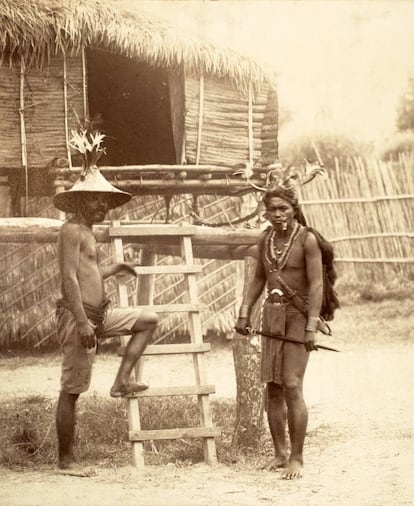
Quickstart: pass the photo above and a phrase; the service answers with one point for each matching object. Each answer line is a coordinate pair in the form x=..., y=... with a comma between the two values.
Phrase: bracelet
x=312, y=324
x=244, y=311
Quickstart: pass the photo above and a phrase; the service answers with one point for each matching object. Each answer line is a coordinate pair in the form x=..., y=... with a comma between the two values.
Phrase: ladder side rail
x=206, y=420
x=134, y=420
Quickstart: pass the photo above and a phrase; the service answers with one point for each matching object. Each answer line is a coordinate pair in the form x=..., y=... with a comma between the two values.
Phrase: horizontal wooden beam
x=153, y=229
x=199, y=432
x=171, y=349
x=155, y=169
x=222, y=243
x=177, y=390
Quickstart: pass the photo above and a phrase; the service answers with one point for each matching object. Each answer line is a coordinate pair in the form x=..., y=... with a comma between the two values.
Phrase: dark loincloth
x=272, y=349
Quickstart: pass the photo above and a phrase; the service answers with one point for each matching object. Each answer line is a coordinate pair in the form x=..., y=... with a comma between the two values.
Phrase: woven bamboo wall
x=221, y=135
x=44, y=111
x=10, y=145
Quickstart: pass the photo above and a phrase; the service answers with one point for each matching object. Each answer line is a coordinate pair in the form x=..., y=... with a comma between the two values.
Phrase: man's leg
x=294, y=367
x=277, y=416
x=142, y=331
x=65, y=427
x=76, y=375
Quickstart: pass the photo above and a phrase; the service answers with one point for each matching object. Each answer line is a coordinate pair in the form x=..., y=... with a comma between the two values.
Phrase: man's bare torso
x=78, y=257
x=294, y=273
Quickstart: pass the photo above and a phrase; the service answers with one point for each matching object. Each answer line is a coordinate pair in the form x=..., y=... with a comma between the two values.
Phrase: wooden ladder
x=196, y=347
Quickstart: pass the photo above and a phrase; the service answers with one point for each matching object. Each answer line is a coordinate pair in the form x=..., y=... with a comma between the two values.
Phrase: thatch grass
x=37, y=29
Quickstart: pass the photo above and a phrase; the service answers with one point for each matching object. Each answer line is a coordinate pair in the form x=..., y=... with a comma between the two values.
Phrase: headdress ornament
x=88, y=143
x=284, y=182
x=287, y=180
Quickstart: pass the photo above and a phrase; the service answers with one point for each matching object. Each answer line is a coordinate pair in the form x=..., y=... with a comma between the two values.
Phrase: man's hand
x=127, y=268
x=121, y=268
x=241, y=326
x=310, y=341
x=86, y=332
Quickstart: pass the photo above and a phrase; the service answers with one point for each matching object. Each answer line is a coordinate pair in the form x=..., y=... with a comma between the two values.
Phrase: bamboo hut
x=181, y=118
x=163, y=98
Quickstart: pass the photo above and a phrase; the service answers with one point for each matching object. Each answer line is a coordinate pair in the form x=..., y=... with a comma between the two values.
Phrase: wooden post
x=23, y=137
x=145, y=295
x=249, y=396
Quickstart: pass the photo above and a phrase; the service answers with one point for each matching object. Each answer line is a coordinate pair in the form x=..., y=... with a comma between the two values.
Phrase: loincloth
x=272, y=349
x=96, y=314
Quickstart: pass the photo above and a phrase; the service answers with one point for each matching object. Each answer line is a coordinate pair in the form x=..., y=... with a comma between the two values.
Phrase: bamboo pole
x=23, y=137
x=158, y=169
x=84, y=85
x=65, y=102
x=250, y=126
x=200, y=118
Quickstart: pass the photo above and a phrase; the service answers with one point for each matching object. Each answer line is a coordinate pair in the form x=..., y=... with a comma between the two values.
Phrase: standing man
x=83, y=315
x=289, y=261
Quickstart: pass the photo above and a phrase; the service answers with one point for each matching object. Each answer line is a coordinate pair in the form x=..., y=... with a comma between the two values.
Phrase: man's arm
x=69, y=257
x=313, y=257
x=252, y=291
x=116, y=268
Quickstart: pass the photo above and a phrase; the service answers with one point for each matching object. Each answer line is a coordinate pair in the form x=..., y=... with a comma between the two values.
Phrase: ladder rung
x=171, y=349
x=174, y=308
x=168, y=269
x=177, y=390
x=146, y=230
x=198, y=432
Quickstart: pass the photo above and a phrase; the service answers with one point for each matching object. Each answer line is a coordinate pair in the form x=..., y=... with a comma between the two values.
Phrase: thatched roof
x=37, y=29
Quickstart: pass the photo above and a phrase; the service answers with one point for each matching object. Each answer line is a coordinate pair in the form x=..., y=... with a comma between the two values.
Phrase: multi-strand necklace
x=279, y=256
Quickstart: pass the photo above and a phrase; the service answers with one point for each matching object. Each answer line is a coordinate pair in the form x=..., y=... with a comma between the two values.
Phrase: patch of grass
x=29, y=435
x=351, y=291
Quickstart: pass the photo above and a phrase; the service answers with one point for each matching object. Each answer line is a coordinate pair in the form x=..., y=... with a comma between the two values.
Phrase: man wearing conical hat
x=290, y=263
x=83, y=314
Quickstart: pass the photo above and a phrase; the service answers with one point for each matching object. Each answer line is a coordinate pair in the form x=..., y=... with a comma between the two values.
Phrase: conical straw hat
x=92, y=182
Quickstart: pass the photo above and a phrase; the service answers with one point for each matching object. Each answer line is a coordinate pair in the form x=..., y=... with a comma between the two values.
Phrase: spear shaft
x=288, y=339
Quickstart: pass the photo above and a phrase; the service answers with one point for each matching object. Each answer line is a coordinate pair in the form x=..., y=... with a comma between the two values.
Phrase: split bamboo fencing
x=366, y=208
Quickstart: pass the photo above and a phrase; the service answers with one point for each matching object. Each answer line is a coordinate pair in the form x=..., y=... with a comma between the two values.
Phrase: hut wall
x=10, y=146
x=43, y=118
x=177, y=103
x=223, y=132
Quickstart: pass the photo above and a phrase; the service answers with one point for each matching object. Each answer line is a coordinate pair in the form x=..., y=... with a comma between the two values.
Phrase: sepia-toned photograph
x=206, y=252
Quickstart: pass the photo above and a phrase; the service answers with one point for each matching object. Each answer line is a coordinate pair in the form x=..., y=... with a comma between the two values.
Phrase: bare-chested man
x=83, y=314
x=289, y=251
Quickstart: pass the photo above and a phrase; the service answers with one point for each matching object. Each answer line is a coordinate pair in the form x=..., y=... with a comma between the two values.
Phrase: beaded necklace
x=279, y=259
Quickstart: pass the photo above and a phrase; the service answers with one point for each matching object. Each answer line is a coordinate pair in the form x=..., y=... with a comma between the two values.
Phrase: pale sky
x=342, y=64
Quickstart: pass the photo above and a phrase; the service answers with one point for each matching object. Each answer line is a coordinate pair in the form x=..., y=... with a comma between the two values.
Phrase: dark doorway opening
x=131, y=103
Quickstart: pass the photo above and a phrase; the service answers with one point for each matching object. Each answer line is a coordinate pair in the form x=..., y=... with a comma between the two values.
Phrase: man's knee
x=274, y=391
x=147, y=320
x=293, y=388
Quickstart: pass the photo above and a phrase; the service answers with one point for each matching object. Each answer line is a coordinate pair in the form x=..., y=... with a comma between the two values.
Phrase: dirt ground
x=359, y=448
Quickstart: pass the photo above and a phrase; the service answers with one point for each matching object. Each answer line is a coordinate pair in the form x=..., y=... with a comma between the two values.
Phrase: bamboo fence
x=365, y=207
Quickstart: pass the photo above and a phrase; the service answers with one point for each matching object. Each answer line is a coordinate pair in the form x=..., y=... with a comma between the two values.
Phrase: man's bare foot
x=128, y=390
x=74, y=469
x=293, y=471
x=275, y=464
